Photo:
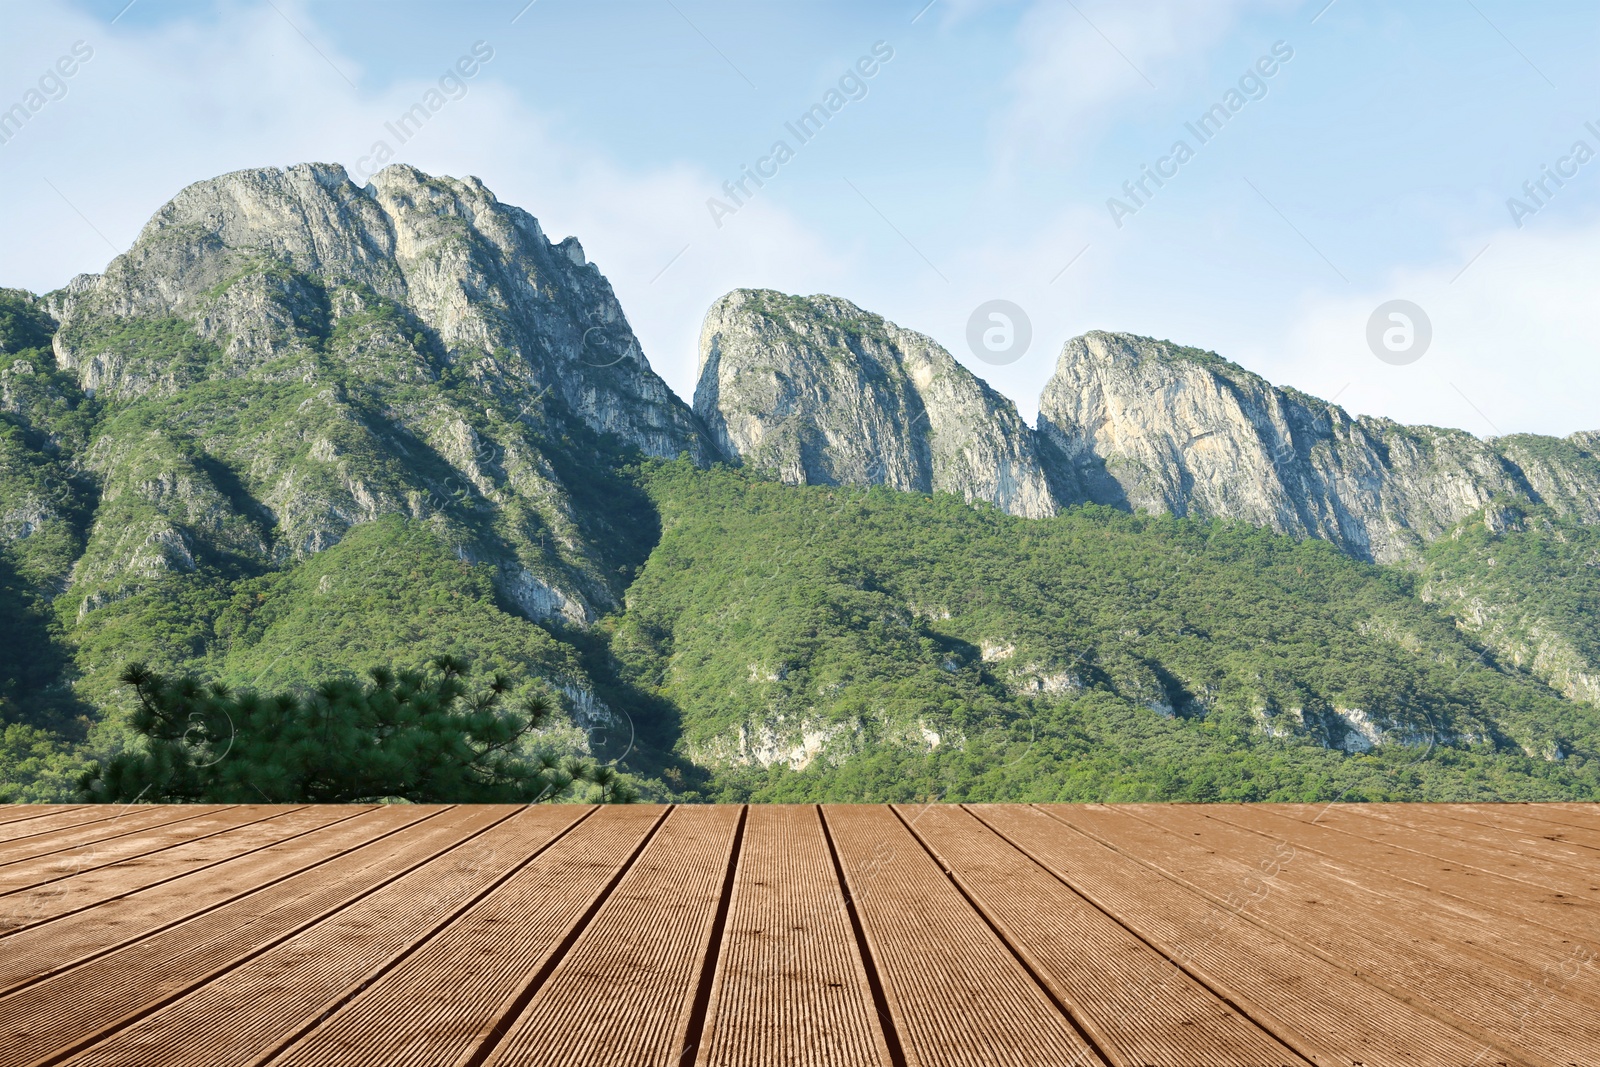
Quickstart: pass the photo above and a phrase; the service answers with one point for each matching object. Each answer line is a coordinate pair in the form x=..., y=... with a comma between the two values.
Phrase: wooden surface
x=1171, y=935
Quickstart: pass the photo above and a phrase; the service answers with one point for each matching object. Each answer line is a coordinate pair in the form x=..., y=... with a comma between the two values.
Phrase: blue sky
x=1374, y=164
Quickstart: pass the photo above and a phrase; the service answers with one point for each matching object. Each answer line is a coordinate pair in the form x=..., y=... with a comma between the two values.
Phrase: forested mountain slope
x=285, y=359
x=862, y=643
x=304, y=427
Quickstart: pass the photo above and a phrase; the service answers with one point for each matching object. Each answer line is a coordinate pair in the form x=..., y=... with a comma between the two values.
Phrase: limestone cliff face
x=284, y=354
x=1144, y=424
x=248, y=258
x=818, y=391
x=1562, y=473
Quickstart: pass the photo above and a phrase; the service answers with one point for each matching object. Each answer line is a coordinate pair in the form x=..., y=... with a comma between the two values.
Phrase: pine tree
x=421, y=736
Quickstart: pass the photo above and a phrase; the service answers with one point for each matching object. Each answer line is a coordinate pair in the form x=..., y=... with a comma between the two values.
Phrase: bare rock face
x=1148, y=425
x=1563, y=473
x=253, y=257
x=818, y=391
x=284, y=354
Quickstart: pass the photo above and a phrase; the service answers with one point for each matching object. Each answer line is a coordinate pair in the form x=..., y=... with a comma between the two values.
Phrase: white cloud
x=155, y=110
x=1084, y=63
x=1516, y=338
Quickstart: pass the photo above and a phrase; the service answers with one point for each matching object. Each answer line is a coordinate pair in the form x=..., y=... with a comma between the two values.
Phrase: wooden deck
x=856, y=936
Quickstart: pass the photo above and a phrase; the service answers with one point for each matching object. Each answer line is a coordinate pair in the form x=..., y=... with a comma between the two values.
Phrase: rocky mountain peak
x=818, y=391
x=259, y=260
x=1144, y=424
x=283, y=355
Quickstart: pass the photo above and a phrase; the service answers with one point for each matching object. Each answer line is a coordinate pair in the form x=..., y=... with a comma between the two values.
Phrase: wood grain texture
x=706, y=936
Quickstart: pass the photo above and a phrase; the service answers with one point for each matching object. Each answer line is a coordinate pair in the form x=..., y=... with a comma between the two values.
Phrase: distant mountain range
x=820, y=392
x=304, y=425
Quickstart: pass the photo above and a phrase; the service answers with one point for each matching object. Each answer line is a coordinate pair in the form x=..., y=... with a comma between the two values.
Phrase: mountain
x=284, y=360
x=417, y=324
x=818, y=392
x=303, y=427
x=1151, y=426
x=848, y=643
x=1524, y=582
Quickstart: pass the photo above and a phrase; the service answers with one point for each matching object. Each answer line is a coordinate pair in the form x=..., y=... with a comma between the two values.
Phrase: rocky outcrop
x=255, y=261
x=283, y=355
x=1562, y=473
x=1148, y=425
x=817, y=391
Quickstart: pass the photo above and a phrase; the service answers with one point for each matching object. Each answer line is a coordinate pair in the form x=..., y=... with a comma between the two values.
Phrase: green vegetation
x=1526, y=583
x=159, y=351
x=37, y=767
x=23, y=323
x=1097, y=655
x=260, y=514
x=414, y=736
x=1094, y=656
x=44, y=508
x=36, y=662
x=388, y=589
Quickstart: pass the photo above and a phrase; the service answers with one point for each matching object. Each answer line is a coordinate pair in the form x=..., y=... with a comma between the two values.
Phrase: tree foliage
x=36, y=766
x=421, y=736
x=935, y=648
x=903, y=646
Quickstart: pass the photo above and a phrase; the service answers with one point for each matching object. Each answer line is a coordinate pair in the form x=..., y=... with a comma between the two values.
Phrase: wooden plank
x=1532, y=861
x=138, y=849
x=626, y=992
x=59, y=1013
x=126, y=820
x=1460, y=988
x=955, y=992
x=1321, y=1011
x=1512, y=820
x=1584, y=816
x=12, y=815
x=1140, y=1009
x=123, y=913
x=48, y=903
x=1357, y=821
x=790, y=986
x=1370, y=905
x=1511, y=899
x=1424, y=818
x=444, y=1001
x=238, y=1017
